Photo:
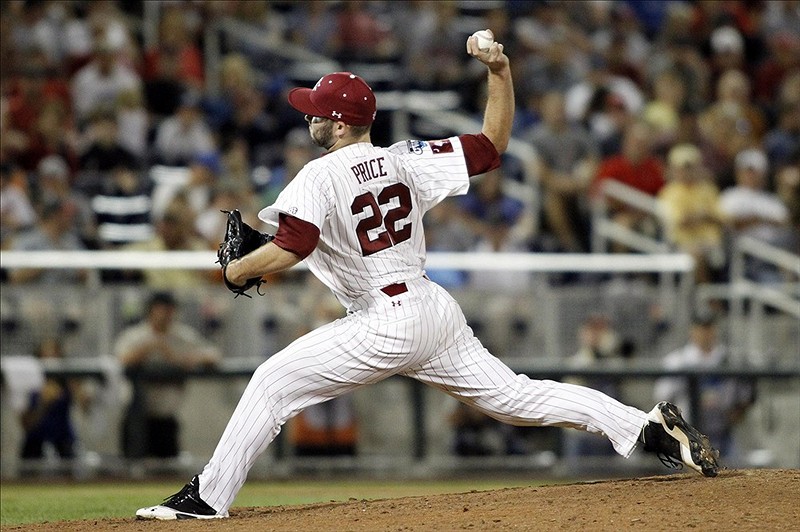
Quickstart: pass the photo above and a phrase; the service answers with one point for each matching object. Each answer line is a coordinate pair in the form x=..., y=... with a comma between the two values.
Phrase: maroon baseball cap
x=339, y=96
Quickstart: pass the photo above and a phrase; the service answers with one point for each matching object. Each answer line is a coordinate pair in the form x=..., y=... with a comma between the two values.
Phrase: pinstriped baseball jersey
x=368, y=203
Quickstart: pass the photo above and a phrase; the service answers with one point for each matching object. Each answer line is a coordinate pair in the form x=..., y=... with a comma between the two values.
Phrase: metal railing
x=749, y=300
x=605, y=230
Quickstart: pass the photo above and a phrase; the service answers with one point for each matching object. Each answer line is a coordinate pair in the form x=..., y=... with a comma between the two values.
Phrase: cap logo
x=336, y=114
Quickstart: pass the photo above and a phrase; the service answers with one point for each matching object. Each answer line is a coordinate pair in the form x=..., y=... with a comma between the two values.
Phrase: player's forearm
x=265, y=260
x=499, y=115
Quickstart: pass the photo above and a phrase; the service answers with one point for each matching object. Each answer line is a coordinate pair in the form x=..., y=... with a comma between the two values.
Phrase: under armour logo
x=396, y=304
x=336, y=114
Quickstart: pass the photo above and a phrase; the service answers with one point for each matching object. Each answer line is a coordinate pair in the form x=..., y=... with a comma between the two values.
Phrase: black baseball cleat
x=186, y=504
x=676, y=442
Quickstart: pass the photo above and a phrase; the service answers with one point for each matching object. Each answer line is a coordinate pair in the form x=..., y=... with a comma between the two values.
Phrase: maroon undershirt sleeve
x=296, y=236
x=480, y=154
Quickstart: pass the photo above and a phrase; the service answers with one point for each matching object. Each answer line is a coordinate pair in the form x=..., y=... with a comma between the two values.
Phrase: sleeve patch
x=415, y=146
x=441, y=146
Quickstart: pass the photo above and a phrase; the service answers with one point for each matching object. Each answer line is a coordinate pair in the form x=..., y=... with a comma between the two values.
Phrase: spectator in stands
x=76, y=35
x=205, y=171
x=133, y=123
x=782, y=59
x=160, y=342
x=268, y=21
x=103, y=149
x=182, y=136
x=723, y=402
x=787, y=186
x=750, y=210
x=663, y=112
x=55, y=231
x=109, y=24
x=237, y=81
x=568, y=158
x=16, y=209
x=174, y=231
x=749, y=207
x=734, y=91
x=625, y=46
x=52, y=135
x=163, y=86
x=54, y=186
x=691, y=209
x=237, y=168
x=635, y=167
x=720, y=139
x=30, y=90
x=677, y=47
x=492, y=213
x=175, y=45
x=35, y=30
x=240, y=112
x=784, y=139
x=729, y=125
x=312, y=25
x=603, y=103
x=102, y=80
x=432, y=55
x=781, y=17
x=727, y=51
x=122, y=208
x=364, y=33
x=554, y=69
x=47, y=420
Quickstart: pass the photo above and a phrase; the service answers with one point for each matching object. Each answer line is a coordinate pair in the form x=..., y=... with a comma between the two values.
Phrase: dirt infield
x=736, y=500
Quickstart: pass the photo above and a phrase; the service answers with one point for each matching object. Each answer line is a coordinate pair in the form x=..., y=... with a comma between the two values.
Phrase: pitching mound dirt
x=735, y=500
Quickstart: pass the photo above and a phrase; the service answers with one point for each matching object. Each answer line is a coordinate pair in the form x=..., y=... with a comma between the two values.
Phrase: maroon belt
x=396, y=289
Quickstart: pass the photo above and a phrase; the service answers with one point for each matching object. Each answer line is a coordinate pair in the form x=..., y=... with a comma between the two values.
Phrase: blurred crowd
x=119, y=131
x=112, y=137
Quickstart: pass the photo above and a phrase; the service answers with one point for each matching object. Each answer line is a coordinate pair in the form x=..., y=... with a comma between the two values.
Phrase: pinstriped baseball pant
x=421, y=334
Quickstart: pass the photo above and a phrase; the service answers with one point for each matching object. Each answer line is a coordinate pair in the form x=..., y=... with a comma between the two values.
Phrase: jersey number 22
x=390, y=234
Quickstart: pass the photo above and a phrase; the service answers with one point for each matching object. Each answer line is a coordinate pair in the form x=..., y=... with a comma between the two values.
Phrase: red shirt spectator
x=175, y=44
x=635, y=166
x=646, y=175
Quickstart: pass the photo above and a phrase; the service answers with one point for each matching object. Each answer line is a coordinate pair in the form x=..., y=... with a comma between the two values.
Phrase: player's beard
x=323, y=135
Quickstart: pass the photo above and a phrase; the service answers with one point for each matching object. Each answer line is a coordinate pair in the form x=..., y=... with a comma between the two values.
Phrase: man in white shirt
x=101, y=81
x=752, y=211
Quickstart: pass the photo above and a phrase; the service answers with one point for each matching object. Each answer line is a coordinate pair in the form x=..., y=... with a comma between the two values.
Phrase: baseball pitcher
x=354, y=216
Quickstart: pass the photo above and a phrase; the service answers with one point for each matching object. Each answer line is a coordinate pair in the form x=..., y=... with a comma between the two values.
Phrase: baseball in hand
x=485, y=39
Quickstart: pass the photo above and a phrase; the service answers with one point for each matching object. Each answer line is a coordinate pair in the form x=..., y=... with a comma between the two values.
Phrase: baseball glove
x=240, y=239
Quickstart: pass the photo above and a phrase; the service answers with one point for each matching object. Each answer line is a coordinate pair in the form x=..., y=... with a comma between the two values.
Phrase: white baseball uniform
x=368, y=203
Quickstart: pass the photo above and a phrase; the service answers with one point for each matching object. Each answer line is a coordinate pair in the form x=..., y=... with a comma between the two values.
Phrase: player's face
x=321, y=130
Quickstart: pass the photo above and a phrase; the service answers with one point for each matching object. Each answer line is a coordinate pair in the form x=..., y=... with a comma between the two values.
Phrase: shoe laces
x=657, y=440
x=669, y=461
